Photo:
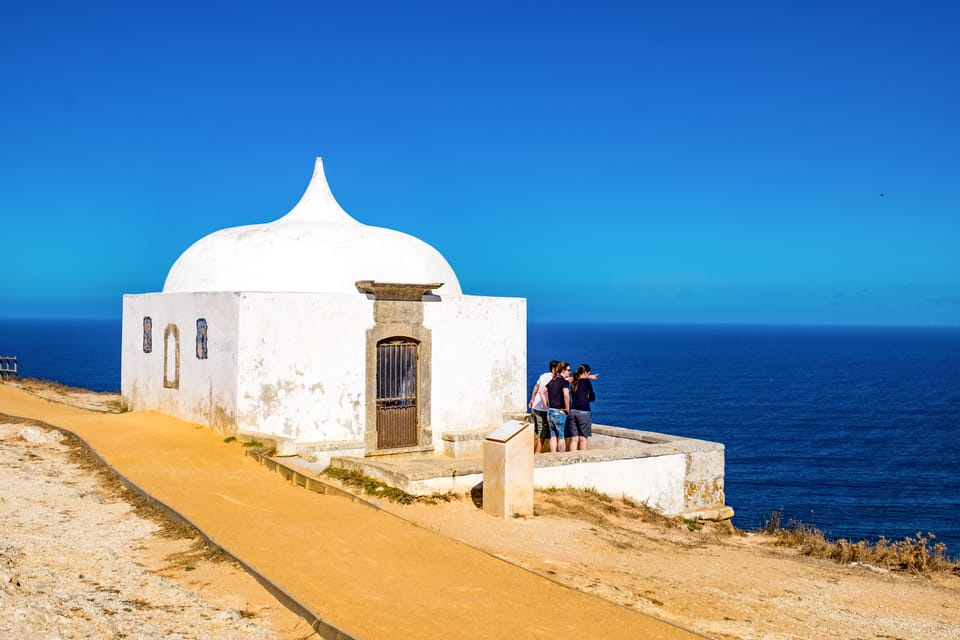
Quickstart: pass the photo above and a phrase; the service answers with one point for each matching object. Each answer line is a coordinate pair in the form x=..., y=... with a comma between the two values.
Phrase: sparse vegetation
x=257, y=446
x=594, y=494
x=692, y=524
x=916, y=554
x=230, y=439
x=601, y=509
x=372, y=487
x=104, y=402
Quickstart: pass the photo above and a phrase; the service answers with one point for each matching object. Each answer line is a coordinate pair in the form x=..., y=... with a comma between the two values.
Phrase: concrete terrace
x=678, y=475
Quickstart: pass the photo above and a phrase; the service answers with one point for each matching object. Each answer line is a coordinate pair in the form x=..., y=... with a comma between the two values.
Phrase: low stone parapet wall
x=677, y=475
x=467, y=443
x=674, y=474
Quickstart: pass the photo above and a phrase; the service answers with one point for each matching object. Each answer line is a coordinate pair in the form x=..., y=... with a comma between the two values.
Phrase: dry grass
x=915, y=554
x=621, y=522
x=599, y=508
x=356, y=479
x=103, y=402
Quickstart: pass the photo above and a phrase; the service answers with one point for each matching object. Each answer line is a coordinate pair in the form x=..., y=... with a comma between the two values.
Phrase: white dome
x=316, y=248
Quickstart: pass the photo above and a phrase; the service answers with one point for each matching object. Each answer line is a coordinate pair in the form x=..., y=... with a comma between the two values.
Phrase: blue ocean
x=854, y=430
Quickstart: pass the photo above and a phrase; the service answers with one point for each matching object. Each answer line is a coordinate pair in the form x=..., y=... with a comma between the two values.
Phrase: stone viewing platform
x=676, y=475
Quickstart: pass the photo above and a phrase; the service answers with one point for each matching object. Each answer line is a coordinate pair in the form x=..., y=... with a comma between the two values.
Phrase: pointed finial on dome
x=317, y=203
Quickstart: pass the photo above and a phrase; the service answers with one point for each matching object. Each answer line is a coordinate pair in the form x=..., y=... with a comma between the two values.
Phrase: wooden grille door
x=396, y=393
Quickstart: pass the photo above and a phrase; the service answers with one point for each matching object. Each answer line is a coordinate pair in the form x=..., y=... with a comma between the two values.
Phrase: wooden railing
x=8, y=367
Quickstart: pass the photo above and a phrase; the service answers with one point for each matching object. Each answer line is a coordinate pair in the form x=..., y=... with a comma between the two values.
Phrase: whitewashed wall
x=479, y=361
x=292, y=366
x=207, y=389
x=656, y=481
x=304, y=361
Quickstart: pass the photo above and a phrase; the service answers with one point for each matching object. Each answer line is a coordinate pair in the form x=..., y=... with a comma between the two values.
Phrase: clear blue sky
x=754, y=162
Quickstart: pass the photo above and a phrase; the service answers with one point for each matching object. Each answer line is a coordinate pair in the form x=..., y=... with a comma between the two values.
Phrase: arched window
x=171, y=357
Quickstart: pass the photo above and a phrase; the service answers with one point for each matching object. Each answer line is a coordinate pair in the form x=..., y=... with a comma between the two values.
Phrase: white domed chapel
x=325, y=335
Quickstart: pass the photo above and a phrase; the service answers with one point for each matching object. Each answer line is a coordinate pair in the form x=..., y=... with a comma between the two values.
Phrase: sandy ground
x=79, y=557
x=719, y=583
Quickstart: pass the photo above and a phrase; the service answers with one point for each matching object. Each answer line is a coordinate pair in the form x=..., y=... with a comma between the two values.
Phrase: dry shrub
x=916, y=554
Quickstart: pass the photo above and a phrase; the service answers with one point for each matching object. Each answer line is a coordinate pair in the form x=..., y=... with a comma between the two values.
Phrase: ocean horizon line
x=590, y=322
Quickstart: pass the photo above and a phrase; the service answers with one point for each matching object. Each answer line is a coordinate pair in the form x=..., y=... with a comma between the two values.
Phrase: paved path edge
x=323, y=628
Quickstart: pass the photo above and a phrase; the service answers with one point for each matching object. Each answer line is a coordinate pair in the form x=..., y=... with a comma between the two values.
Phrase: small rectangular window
x=147, y=334
x=201, y=339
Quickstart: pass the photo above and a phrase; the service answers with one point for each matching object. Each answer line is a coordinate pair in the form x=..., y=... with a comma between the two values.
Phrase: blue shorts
x=558, y=422
x=579, y=424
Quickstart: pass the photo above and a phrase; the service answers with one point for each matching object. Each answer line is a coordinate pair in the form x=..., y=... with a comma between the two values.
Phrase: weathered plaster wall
x=292, y=367
x=303, y=375
x=479, y=361
x=205, y=390
x=704, y=479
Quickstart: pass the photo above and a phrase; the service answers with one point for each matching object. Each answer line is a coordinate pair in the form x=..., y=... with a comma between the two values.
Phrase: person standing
x=557, y=398
x=580, y=421
x=541, y=428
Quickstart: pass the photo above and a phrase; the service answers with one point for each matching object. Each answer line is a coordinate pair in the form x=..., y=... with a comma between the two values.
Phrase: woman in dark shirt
x=557, y=396
x=579, y=422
